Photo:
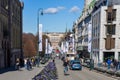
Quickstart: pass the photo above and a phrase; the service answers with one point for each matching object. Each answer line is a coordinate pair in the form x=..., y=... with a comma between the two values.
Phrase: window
x=109, y=43
x=114, y=14
x=110, y=29
x=111, y=15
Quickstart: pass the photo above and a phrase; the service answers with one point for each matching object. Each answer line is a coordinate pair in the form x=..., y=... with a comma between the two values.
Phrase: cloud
x=53, y=10
x=74, y=9
x=61, y=8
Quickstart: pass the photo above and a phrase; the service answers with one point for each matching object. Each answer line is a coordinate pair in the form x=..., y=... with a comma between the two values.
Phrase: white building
x=105, y=31
x=55, y=38
x=80, y=29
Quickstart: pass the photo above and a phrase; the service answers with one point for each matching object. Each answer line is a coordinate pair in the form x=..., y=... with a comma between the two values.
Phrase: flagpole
x=38, y=54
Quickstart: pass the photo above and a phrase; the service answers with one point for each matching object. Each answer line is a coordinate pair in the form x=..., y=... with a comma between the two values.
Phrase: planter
x=110, y=72
x=48, y=73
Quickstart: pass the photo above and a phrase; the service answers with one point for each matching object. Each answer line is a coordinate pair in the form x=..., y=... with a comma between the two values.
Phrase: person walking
x=25, y=63
x=91, y=64
x=17, y=64
x=109, y=63
x=65, y=64
x=118, y=64
x=28, y=64
x=115, y=63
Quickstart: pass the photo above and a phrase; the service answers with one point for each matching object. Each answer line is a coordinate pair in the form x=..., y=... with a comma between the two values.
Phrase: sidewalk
x=21, y=74
x=112, y=71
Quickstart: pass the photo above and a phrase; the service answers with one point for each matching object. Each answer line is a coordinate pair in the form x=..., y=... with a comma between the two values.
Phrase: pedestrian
x=109, y=63
x=115, y=63
x=17, y=64
x=91, y=64
x=28, y=64
x=119, y=64
x=25, y=63
x=63, y=58
x=53, y=60
x=65, y=64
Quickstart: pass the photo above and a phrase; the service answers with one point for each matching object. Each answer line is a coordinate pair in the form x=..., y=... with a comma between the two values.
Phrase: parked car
x=87, y=61
x=70, y=62
x=75, y=65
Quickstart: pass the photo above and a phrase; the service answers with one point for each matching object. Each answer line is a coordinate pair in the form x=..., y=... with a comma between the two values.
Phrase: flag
x=89, y=37
x=40, y=37
x=46, y=47
x=73, y=41
x=66, y=47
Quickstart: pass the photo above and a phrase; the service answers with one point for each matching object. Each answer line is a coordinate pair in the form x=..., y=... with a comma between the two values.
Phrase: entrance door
x=108, y=55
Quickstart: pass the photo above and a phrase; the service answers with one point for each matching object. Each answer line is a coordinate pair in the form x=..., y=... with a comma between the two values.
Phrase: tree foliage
x=29, y=44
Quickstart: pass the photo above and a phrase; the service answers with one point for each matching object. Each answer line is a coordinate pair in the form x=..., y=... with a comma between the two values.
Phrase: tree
x=29, y=44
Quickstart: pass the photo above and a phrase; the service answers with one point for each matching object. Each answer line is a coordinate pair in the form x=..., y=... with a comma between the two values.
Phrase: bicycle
x=65, y=70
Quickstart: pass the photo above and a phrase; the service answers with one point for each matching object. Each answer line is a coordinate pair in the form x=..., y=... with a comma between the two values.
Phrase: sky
x=57, y=14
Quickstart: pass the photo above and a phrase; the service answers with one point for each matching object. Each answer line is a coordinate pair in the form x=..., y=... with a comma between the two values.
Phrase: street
x=85, y=74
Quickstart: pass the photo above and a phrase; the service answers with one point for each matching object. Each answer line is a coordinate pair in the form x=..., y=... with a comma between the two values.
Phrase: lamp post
x=40, y=12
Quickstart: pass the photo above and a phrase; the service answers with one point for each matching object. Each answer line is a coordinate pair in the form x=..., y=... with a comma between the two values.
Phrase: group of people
x=28, y=63
x=113, y=62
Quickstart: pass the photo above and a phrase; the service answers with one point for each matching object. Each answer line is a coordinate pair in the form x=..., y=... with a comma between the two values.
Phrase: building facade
x=10, y=32
x=81, y=27
x=55, y=38
x=105, y=31
x=103, y=17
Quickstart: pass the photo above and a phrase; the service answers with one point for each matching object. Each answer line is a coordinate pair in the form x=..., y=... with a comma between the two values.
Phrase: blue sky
x=58, y=14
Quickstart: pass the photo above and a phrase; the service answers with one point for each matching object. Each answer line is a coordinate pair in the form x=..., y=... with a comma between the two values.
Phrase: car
x=70, y=62
x=87, y=61
x=75, y=65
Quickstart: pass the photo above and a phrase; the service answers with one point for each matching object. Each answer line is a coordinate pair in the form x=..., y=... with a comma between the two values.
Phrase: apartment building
x=105, y=30
x=82, y=31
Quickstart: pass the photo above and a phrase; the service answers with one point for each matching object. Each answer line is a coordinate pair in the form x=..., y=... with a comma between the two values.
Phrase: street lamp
x=40, y=12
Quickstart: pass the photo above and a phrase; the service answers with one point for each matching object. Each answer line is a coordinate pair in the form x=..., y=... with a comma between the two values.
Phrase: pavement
x=22, y=74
